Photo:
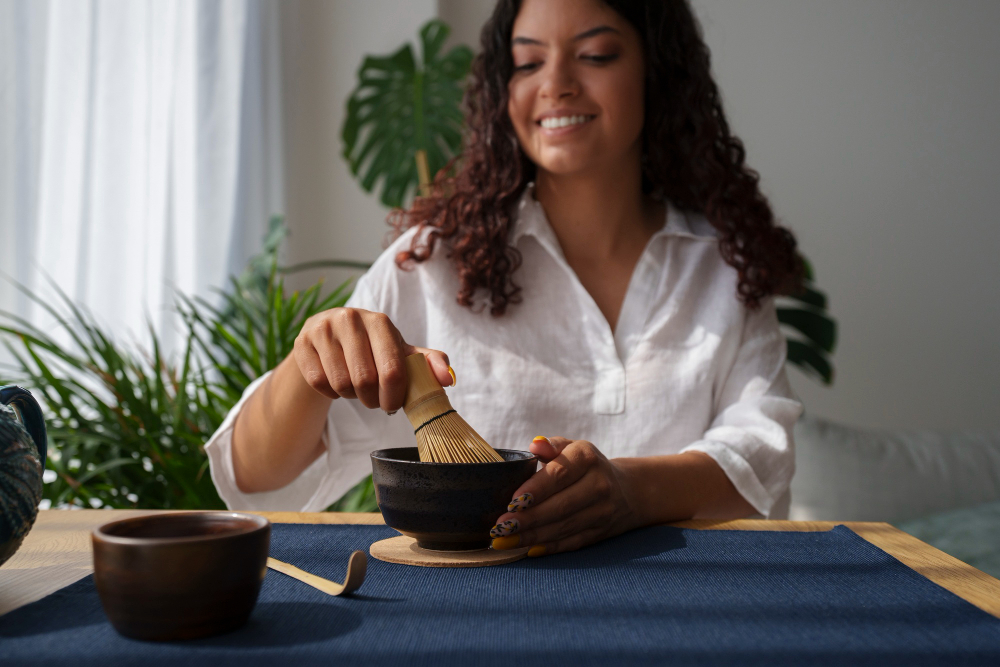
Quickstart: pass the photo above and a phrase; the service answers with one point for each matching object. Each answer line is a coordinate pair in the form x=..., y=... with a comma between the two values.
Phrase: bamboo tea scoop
x=356, y=568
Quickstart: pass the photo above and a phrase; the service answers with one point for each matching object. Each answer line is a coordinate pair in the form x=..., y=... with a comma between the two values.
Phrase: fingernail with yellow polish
x=540, y=437
x=511, y=542
x=521, y=503
x=536, y=551
x=505, y=528
x=454, y=380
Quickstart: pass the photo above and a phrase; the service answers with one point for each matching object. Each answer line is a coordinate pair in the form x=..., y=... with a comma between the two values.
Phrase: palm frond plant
x=127, y=426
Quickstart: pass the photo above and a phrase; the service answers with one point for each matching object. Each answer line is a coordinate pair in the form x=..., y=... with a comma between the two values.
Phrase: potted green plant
x=127, y=426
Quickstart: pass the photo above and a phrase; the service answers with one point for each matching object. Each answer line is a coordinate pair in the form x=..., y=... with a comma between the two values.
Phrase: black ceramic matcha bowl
x=446, y=506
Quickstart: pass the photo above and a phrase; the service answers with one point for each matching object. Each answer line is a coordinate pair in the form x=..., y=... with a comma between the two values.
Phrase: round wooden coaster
x=404, y=550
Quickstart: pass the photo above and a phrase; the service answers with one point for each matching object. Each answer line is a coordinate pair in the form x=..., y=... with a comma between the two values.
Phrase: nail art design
x=454, y=380
x=521, y=503
x=505, y=528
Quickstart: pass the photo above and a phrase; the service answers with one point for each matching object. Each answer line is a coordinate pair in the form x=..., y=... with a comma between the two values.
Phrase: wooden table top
x=57, y=551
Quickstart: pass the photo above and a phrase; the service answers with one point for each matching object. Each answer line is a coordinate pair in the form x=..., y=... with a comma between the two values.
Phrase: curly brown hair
x=689, y=158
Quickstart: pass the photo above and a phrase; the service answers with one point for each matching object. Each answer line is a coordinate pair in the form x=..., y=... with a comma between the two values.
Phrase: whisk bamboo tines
x=442, y=435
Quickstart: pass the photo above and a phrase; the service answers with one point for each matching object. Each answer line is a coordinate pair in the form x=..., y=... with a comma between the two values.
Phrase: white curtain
x=140, y=150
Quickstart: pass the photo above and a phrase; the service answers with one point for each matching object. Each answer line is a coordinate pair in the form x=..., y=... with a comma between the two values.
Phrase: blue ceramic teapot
x=22, y=460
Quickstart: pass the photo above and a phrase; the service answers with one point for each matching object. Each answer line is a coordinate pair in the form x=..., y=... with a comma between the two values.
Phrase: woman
x=603, y=213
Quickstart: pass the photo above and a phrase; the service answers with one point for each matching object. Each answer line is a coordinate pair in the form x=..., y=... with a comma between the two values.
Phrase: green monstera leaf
x=403, y=115
x=812, y=333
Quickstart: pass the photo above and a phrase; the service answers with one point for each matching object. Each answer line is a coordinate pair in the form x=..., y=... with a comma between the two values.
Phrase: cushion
x=852, y=474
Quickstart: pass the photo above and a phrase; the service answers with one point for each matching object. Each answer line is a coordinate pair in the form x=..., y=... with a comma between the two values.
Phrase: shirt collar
x=530, y=220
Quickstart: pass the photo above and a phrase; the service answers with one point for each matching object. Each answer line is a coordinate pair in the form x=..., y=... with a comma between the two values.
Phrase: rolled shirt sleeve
x=751, y=435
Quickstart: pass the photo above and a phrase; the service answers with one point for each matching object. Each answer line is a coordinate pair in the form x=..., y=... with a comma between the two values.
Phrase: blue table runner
x=660, y=595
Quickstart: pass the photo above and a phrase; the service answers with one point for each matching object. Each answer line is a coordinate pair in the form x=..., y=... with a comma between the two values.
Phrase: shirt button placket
x=609, y=385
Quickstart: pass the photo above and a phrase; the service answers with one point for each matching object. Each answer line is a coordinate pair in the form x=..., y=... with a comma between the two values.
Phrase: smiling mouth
x=555, y=122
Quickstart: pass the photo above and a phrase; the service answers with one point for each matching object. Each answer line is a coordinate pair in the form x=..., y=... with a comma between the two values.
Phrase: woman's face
x=576, y=93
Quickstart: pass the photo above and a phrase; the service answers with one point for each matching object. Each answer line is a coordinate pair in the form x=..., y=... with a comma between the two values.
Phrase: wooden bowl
x=180, y=576
x=446, y=506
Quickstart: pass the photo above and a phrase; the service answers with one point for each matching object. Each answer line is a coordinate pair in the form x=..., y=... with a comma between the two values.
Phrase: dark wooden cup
x=180, y=576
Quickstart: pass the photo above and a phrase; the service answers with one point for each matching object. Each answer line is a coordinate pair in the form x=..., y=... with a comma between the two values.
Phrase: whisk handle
x=421, y=382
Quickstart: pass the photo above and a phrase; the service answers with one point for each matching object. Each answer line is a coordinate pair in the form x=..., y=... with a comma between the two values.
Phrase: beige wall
x=323, y=44
x=873, y=125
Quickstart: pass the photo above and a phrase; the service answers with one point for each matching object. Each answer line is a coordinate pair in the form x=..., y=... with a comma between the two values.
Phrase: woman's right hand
x=354, y=353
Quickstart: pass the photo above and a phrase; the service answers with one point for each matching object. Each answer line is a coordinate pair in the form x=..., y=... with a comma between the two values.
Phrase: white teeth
x=563, y=121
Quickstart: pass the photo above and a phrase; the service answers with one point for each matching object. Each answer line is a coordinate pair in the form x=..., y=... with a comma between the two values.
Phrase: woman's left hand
x=578, y=497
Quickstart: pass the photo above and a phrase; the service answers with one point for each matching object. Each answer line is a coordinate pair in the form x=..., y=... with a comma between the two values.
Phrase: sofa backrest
x=850, y=474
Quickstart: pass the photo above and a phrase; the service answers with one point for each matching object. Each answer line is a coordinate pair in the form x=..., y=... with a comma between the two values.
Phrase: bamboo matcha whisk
x=442, y=435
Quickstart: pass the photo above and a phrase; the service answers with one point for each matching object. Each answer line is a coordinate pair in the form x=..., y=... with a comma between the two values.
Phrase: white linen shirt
x=688, y=367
